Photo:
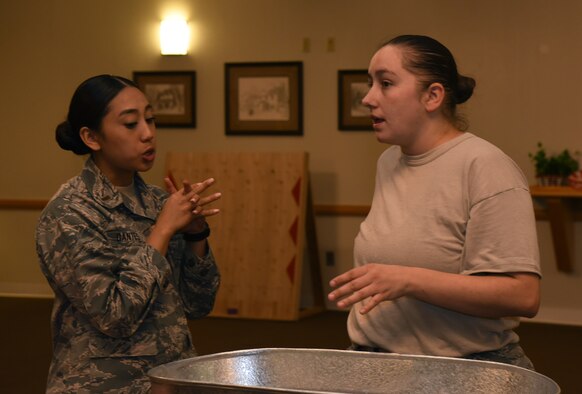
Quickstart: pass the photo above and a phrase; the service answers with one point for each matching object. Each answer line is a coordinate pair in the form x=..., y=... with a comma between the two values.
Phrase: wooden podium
x=264, y=239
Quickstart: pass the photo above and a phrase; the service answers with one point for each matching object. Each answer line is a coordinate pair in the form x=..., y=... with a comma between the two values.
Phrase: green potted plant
x=553, y=170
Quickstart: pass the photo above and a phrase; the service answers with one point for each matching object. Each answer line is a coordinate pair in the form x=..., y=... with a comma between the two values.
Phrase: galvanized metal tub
x=279, y=370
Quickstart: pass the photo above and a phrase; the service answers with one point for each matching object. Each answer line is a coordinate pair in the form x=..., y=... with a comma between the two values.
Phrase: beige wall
x=524, y=54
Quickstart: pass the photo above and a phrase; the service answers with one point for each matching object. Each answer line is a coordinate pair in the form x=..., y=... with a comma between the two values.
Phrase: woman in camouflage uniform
x=128, y=262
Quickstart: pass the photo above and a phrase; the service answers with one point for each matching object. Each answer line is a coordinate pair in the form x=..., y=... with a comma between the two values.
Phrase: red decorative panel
x=297, y=190
x=291, y=270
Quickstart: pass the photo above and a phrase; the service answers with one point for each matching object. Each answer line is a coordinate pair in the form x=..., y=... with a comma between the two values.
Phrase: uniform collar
x=105, y=193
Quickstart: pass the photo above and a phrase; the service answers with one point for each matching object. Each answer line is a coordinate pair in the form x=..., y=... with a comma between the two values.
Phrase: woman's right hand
x=487, y=295
x=378, y=282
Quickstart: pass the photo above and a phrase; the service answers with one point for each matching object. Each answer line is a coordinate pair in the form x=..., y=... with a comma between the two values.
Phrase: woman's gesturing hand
x=184, y=211
x=185, y=208
x=196, y=211
x=378, y=282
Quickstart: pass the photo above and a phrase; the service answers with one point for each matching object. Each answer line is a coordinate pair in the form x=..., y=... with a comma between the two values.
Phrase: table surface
x=555, y=191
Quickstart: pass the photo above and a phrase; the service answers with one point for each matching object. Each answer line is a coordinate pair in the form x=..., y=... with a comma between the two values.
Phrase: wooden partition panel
x=259, y=237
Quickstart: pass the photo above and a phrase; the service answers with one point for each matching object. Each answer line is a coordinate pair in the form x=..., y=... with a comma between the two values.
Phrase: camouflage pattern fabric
x=120, y=306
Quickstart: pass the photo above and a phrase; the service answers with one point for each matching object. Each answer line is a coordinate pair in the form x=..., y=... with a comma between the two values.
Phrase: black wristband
x=202, y=235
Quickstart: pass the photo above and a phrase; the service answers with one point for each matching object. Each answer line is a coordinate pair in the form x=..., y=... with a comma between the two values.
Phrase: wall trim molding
x=320, y=209
x=22, y=204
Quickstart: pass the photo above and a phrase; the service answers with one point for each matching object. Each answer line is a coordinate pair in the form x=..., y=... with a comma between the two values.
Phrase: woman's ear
x=90, y=139
x=434, y=96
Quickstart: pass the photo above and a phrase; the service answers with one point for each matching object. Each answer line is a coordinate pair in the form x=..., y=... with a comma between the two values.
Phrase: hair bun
x=465, y=87
x=68, y=139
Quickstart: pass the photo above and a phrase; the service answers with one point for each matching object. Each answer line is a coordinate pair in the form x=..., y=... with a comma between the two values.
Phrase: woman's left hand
x=378, y=282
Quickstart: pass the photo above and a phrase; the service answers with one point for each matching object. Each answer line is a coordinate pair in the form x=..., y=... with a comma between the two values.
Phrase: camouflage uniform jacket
x=120, y=307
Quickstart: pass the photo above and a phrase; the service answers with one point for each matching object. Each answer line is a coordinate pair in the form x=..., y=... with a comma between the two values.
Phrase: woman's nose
x=367, y=100
x=148, y=132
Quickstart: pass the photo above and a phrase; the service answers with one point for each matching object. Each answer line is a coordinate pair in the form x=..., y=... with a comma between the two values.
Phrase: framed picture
x=352, y=87
x=172, y=94
x=264, y=98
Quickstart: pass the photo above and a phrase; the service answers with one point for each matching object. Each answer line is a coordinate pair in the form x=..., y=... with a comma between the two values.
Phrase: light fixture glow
x=174, y=36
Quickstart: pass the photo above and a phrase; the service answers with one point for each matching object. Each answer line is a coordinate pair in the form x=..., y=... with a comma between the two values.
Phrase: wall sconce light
x=174, y=36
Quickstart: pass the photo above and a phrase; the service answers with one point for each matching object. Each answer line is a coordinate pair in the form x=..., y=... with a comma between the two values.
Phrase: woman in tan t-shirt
x=453, y=284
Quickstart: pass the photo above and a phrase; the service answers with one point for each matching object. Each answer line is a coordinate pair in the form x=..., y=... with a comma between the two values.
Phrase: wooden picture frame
x=352, y=114
x=264, y=98
x=172, y=95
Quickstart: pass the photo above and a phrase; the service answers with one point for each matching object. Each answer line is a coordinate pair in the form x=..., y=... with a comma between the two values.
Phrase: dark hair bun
x=69, y=139
x=465, y=87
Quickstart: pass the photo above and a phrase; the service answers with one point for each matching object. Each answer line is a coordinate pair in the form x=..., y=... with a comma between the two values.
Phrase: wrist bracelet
x=202, y=235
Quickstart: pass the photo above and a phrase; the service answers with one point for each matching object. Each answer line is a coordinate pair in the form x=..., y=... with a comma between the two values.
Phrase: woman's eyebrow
x=128, y=111
x=382, y=71
x=135, y=111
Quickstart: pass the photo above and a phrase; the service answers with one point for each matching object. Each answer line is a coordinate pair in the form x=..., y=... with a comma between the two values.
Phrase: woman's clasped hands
x=186, y=207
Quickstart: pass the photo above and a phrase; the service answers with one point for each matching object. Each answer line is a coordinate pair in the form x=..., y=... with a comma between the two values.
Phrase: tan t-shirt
x=465, y=208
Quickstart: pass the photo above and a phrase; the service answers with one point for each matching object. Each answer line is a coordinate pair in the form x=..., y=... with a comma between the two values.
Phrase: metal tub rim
x=156, y=374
